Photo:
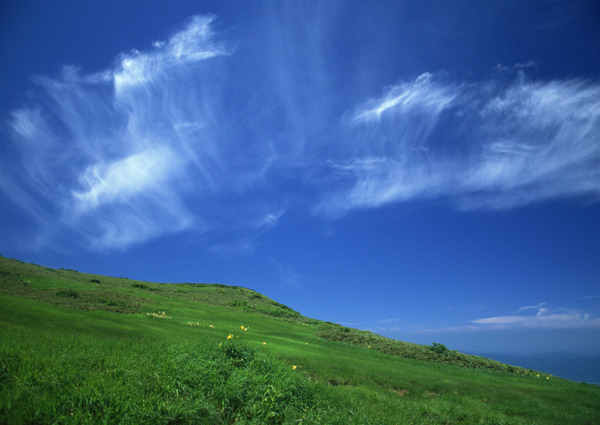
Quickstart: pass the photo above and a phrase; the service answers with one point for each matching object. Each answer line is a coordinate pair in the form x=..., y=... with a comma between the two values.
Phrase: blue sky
x=426, y=170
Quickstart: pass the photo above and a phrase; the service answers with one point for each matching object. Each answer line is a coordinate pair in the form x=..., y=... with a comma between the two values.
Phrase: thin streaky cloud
x=537, y=307
x=542, y=319
x=510, y=146
x=541, y=316
x=529, y=317
x=420, y=94
x=114, y=164
x=270, y=220
x=193, y=44
x=181, y=137
x=243, y=247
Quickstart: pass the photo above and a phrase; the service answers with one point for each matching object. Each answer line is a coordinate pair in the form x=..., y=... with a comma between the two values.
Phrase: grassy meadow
x=79, y=348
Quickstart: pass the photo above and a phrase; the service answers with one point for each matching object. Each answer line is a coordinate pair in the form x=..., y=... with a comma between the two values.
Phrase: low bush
x=67, y=293
x=436, y=347
x=239, y=304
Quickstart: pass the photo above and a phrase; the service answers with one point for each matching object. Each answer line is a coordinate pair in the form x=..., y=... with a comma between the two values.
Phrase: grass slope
x=81, y=348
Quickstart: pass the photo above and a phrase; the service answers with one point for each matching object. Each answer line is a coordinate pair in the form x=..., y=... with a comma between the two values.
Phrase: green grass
x=79, y=348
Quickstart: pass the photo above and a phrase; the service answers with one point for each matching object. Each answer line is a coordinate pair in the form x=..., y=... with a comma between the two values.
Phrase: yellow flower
x=230, y=336
x=242, y=327
x=547, y=377
x=294, y=367
x=210, y=326
x=264, y=343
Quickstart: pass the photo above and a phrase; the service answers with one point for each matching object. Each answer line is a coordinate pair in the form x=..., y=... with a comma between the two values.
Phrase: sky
x=429, y=171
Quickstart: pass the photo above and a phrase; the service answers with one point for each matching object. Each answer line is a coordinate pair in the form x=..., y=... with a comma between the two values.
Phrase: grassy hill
x=82, y=348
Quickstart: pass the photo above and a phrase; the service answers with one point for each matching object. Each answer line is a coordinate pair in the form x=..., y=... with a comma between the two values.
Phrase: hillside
x=84, y=348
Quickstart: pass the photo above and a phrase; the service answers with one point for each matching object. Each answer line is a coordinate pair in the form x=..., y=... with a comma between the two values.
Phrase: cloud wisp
x=536, y=317
x=124, y=155
x=188, y=135
x=422, y=94
x=486, y=145
x=540, y=318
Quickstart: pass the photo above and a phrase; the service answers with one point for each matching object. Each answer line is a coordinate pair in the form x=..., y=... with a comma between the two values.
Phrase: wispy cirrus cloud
x=115, y=156
x=486, y=145
x=422, y=94
x=247, y=241
x=540, y=316
x=192, y=45
x=191, y=134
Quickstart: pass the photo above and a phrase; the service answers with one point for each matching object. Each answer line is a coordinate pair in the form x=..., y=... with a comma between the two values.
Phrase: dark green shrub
x=67, y=293
x=438, y=348
x=109, y=302
x=239, y=304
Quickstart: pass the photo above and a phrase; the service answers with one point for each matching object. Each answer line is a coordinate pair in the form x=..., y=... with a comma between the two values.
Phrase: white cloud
x=27, y=122
x=125, y=178
x=538, y=307
x=270, y=220
x=544, y=318
x=185, y=135
x=423, y=93
x=115, y=153
x=477, y=146
x=541, y=140
x=539, y=316
x=531, y=317
x=193, y=44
